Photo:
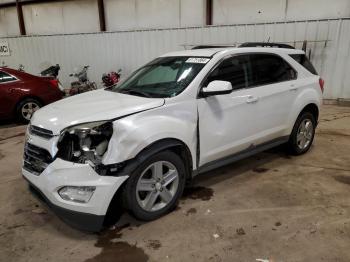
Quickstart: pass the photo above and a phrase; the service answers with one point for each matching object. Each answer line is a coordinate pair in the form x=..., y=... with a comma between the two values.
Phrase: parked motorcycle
x=21, y=68
x=83, y=84
x=111, y=79
x=52, y=71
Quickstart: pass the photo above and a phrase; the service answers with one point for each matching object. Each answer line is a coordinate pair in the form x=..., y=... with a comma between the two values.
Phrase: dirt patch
x=18, y=211
x=154, y=244
x=113, y=250
x=343, y=179
x=191, y=211
x=13, y=136
x=203, y=193
x=1, y=155
x=15, y=226
x=240, y=231
x=260, y=169
x=277, y=224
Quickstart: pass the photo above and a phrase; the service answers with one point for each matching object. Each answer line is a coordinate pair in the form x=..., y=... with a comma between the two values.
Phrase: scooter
x=83, y=84
x=111, y=79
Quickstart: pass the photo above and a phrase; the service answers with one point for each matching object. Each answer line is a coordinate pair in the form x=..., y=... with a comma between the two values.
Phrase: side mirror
x=217, y=87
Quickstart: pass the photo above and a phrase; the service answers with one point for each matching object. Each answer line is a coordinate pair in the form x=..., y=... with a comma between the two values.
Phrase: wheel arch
x=116, y=205
x=172, y=144
x=27, y=97
x=312, y=108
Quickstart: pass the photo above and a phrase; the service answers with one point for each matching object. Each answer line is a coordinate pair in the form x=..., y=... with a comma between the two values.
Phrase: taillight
x=321, y=82
x=54, y=83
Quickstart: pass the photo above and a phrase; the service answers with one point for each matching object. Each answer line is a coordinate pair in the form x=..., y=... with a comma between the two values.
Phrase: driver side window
x=235, y=70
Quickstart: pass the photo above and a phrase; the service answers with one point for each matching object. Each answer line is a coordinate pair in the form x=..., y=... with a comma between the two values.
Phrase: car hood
x=91, y=106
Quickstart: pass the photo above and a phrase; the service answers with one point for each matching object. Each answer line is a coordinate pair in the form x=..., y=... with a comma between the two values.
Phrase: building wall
x=256, y=11
x=61, y=17
x=81, y=16
x=9, y=22
x=328, y=47
x=141, y=14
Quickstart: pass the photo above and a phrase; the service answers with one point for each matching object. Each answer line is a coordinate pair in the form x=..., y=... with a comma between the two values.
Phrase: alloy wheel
x=28, y=110
x=305, y=134
x=157, y=186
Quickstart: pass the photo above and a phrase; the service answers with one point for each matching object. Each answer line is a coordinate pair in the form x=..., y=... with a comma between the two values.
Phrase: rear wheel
x=155, y=187
x=27, y=108
x=303, y=134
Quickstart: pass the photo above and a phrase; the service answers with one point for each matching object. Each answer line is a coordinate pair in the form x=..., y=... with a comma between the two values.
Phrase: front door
x=227, y=123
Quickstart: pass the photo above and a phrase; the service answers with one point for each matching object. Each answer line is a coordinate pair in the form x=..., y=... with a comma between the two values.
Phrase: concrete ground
x=270, y=207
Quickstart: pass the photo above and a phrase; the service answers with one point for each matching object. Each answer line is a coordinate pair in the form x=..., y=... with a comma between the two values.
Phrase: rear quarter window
x=305, y=62
x=5, y=77
x=269, y=69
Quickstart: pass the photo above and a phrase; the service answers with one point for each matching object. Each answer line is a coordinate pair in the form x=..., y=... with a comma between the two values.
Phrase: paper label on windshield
x=198, y=60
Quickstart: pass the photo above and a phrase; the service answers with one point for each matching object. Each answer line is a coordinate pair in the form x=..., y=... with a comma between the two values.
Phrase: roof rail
x=266, y=44
x=211, y=46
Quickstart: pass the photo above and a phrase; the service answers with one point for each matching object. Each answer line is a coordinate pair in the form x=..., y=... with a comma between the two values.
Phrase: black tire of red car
x=295, y=147
x=131, y=193
x=29, y=105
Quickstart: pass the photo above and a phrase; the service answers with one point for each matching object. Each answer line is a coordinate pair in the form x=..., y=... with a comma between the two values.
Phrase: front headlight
x=85, y=143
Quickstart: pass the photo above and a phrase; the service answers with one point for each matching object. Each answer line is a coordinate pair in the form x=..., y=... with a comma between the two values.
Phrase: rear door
x=274, y=85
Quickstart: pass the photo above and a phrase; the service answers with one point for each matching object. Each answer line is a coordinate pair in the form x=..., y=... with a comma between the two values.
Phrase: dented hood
x=91, y=106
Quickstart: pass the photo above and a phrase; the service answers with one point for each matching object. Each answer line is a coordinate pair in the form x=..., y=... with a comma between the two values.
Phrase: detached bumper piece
x=79, y=220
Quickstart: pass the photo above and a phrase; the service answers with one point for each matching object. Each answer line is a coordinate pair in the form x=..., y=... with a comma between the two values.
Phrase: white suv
x=180, y=115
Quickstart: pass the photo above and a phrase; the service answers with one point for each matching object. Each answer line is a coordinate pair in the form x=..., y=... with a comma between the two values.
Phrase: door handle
x=252, y=99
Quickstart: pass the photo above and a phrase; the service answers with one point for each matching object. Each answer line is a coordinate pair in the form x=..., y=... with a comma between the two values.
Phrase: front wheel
x=303, y=134
x=155, y=187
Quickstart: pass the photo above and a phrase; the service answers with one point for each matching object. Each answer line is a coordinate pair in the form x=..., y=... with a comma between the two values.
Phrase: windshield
x=163, y=77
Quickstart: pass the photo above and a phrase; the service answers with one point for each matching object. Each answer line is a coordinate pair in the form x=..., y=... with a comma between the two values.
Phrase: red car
x=21, y=94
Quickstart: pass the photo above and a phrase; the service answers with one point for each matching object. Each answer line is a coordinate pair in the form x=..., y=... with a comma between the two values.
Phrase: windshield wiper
x=135, y=92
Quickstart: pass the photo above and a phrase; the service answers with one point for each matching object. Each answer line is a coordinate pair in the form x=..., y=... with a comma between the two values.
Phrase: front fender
x=134, y=133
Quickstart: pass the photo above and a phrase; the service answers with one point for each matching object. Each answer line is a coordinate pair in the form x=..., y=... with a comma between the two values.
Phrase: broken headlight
x=85, y=143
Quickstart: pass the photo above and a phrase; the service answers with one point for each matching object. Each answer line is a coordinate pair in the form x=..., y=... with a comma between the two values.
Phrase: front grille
x=42, y=132
x=36, y=159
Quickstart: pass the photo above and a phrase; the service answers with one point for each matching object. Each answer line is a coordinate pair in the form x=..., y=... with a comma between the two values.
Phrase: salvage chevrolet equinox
x=180, y=115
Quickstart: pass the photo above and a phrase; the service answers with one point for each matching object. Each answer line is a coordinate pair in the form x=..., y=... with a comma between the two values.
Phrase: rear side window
x=234, y=70
x=302, y=59
x=4, y=77
x=269, y=69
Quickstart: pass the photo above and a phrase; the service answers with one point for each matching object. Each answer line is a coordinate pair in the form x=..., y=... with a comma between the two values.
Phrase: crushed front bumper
x=85, y=216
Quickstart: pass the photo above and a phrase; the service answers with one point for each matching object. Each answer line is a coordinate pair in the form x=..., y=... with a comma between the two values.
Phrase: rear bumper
x=79, y=220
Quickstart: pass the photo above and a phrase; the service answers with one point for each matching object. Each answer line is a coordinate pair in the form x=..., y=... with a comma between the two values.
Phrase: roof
x=209, y=52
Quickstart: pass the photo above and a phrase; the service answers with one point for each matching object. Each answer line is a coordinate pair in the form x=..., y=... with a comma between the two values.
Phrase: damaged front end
x=85, y=143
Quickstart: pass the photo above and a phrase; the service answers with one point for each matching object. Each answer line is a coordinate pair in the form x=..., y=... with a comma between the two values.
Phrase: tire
x=303, y=134
x=138, y=197
x=26, y=108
